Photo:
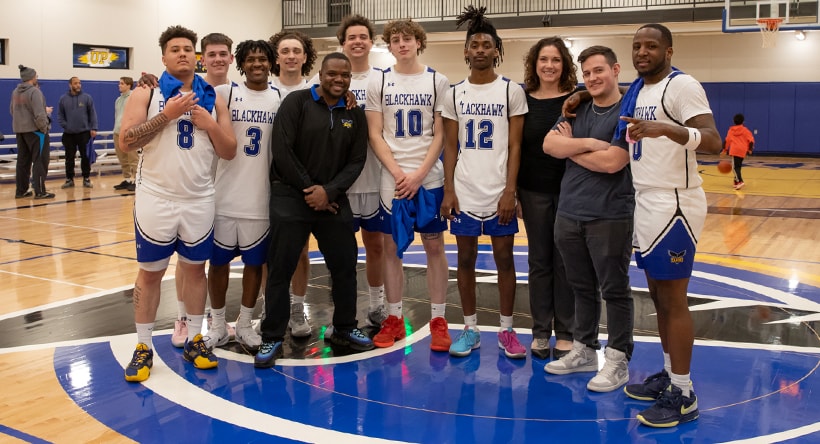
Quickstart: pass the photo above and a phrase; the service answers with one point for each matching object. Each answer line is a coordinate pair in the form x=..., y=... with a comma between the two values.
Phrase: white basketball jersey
x=284, y=90
x=178, y=163
x=661, y=162
x=243, y=183
x=483, y=112
x=408, y=104
x=368, y=181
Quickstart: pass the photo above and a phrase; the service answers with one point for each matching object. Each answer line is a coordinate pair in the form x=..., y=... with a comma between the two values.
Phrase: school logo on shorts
x=347, y=123
x=676, y=258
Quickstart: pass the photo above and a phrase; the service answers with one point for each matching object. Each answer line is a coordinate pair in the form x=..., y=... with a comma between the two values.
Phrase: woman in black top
x=549, y=79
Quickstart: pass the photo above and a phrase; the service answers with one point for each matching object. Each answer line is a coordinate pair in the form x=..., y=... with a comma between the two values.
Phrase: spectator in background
x=128, y=160
x=30, y=121
x=78, y=118
x=738, y=143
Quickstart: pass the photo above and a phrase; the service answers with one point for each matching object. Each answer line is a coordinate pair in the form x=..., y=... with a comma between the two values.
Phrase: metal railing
x=104, y=146
x=328, y=13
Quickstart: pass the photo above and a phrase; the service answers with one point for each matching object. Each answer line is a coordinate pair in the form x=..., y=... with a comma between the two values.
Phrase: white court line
x=781, y=436
x=170, y=385
x=56, y=224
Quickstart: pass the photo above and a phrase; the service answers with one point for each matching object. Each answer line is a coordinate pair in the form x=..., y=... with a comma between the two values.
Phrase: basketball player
x=181, y=127
x=484, y=115
x=355, y=35
x=666, y=116
x=404, y=119
x=217, y=58
x=241, y=226
x=295, y=56
x=593, y=227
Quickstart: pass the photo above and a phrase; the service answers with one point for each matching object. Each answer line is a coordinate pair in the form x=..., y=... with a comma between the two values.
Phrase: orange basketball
x=725, y=166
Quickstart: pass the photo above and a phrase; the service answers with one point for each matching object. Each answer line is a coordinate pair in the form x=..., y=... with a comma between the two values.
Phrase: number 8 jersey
x=178, y=163
x=408, y=104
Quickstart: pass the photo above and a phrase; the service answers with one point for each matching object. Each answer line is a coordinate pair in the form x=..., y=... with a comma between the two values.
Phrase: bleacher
x=103, y=144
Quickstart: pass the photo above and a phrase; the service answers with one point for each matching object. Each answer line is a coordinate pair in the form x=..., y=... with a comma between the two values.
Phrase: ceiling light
x=800, y=35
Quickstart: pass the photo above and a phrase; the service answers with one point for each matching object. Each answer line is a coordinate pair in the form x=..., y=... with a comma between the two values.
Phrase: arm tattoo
x=138, y=136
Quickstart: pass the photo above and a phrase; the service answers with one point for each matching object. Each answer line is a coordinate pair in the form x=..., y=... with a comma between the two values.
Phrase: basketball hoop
x=768, y=28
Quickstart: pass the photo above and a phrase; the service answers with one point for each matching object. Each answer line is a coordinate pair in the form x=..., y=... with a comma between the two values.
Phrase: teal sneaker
x=468, y=340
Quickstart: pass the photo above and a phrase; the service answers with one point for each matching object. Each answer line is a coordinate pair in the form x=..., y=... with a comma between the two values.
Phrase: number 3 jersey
x=483, y=112
x=178, y=163
x=408, y=104
x=242, y=184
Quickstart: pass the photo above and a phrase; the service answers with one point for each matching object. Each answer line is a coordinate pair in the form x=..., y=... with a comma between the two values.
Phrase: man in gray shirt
x=78, y=118
x=30, y=121
x=593, y=228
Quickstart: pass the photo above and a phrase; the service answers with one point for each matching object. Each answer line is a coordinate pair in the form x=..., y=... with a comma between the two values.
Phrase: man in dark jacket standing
x=319, y=148
x=30, y=121
x=78, y=118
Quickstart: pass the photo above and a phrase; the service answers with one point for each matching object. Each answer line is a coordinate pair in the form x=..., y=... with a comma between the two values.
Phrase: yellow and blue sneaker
x=196, y=351
x=139, y=369
x=671, y=409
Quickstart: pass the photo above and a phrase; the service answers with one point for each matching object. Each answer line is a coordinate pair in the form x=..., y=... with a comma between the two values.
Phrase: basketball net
x=768, y=29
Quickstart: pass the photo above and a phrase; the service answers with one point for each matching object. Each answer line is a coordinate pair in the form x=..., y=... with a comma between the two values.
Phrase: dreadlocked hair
x=477, y=23
x=248, y=46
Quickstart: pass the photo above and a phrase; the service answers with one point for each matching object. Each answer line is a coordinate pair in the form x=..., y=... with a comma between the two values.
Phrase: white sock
x=667, y=363
x=681, y=382
x=194, y=325
x=218, y=316
x=506, y=322
x=144, y=334
x=471, y=321
x=245, y=316
x=437, y=310
x=394, y=309
x=376, y=297
x=296, y=299
x=180, y=310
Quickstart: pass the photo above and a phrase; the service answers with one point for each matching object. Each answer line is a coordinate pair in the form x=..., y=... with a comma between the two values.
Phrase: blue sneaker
x=267, y=354
x=468, y=340
x=671, y=409
x=651, y=387
x=139, y=368
x=354, y=339
x=197, y=352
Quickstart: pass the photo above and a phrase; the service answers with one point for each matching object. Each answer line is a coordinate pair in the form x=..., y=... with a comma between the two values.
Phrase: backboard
x=742, y=16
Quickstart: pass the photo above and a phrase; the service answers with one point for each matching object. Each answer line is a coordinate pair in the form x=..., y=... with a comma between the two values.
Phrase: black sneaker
x=122, y=185
x=28, y=193
x=69, y=183
x=650, y=389
x=45, y=195
x=354, y=338
x=131, y=186
x=671, y=409
x=87, y=183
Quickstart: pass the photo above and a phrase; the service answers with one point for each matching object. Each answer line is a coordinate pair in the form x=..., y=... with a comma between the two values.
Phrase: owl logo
x=676, y=258
x=347, y=123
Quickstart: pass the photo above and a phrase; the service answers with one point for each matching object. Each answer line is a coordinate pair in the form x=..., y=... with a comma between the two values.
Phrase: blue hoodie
x=76, y=113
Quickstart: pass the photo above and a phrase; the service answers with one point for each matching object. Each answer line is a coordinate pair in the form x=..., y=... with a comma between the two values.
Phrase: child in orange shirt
x=739, y=141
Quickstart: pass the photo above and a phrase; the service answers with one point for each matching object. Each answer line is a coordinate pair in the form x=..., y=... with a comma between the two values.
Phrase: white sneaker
x=580, y=359
x=614, y=374
x=248, y=337
x=228, y=327
x=298, y=323
x=180, y=334
x=216, y=337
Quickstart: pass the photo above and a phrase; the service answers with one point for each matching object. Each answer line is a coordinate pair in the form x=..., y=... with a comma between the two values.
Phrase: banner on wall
x=101, y=57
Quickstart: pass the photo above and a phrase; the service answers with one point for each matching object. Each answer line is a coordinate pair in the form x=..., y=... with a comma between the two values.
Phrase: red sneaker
x=392, y=330
x=439, y=335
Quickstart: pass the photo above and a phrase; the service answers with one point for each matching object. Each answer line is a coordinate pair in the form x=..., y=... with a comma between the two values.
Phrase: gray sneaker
x=69, y=183
x=377, y=316
x=614, y=374
x=298, y=323
x=580, y=359
x=540, y=348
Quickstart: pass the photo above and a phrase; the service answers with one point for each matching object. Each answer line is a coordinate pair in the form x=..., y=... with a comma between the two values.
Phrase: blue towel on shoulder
x=630, y=100
x=409, y=213
x=169, y=86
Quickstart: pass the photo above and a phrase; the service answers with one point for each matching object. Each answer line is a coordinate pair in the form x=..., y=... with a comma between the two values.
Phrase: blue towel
x=407, y=213
x=169, y=86
x=90, y=152
x=631, y=99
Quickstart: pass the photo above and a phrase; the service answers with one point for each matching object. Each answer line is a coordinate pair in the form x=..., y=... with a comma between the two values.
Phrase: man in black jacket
x=319, y=149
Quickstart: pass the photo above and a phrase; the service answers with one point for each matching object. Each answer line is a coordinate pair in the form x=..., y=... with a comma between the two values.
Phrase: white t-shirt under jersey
x=284, y=90
x=483, y=112
x=408, y=104
x=243, y=183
